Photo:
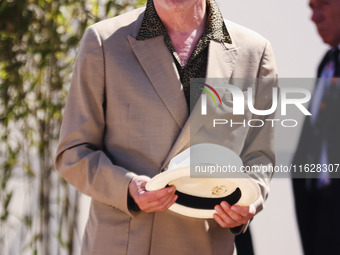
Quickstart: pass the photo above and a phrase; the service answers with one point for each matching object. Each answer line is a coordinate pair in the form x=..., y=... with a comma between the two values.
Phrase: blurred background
x=39, y=212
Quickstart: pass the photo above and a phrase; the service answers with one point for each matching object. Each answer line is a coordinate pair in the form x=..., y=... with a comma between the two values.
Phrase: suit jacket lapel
x=221, y=63
x=221, y=60
x=159, y=66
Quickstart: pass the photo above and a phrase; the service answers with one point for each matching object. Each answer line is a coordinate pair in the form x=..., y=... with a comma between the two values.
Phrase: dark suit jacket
x=309, y=146
x=317, y=209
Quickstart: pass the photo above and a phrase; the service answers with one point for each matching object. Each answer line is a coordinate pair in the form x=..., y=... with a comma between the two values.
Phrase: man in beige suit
x=127, y=115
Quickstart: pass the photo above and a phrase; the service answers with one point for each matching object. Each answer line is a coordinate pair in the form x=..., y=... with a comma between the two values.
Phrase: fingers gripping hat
x=197, y=196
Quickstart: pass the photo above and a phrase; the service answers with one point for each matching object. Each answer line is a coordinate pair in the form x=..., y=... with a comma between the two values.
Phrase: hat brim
x=238, y=185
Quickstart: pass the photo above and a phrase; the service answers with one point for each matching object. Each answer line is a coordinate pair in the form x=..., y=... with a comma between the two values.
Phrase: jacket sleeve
x=81, y=159
x=259, y=145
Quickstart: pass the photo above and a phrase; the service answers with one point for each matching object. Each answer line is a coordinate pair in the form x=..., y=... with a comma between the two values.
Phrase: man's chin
x=331, y=43
x=326, y=39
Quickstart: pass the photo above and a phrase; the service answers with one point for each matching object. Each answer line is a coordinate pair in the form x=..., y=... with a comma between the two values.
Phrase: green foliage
x=38, y=45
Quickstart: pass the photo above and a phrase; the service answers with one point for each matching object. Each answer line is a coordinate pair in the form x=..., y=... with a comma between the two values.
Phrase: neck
x=185, y=25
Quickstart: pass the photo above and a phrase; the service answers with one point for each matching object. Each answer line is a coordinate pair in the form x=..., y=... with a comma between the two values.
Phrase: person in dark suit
x=317, y=200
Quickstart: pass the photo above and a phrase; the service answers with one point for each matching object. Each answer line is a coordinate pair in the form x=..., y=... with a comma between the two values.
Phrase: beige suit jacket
x=126, y=115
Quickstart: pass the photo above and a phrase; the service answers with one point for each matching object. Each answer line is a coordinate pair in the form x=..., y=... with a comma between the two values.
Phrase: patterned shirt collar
x=215, y=28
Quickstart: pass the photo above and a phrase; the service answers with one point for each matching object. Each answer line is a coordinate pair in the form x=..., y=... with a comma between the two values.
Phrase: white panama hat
x=197, y=196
